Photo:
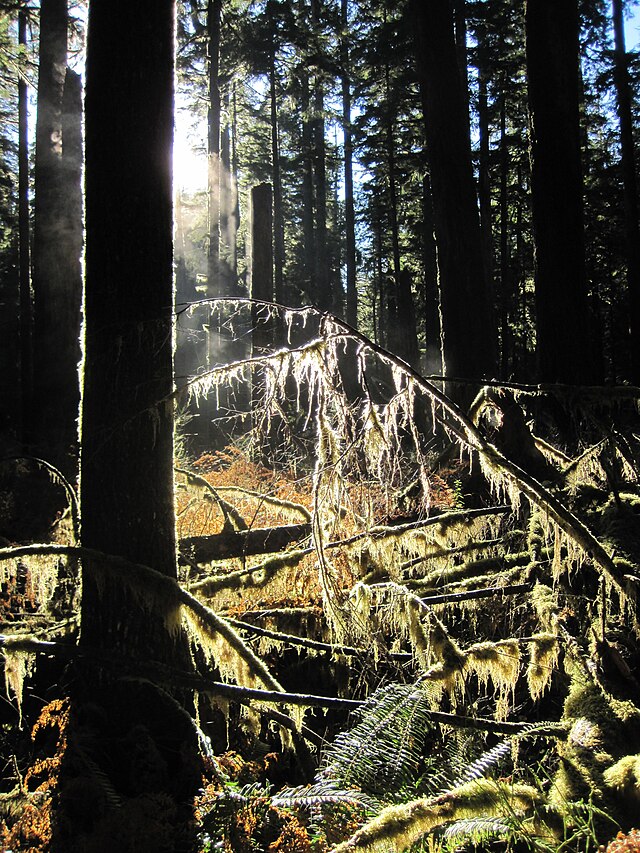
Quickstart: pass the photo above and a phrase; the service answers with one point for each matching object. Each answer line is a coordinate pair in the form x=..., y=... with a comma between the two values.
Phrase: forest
x=319, y=433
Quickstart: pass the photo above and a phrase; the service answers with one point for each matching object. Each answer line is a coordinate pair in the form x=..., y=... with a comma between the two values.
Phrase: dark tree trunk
x=24, y=232
x=127, y=493
x=465, y=296
x=56, y=251
x=460, y=28
x=563, y=345
x=235, y=202
x=433, y=343
x=394, y=332
x=321, y=284
x=484, y=175
x=261, y=266
x=505, y=260
x=214, y=14
x=349, y=208
x=227, y=229
x=261, y=287
x=278, y=218
x=632, y=231
x=308, y=232
x=127, y=431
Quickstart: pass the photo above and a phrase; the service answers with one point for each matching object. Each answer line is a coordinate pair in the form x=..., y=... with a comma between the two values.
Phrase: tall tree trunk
x=484, y=175
x=349, y=208
x=261, y=283
x=24, y=232
x=465, y=295
x=127, y=493
x=56, y=281
x=278, y=218
x=235, y=201
x=553, y=73
x=632, y=230
x=308, y=231
x=321, y=284
x=433, y=343
x=460, y=28
x=214, y=15
x=505, y=260
x=127, y=432
x=324, y=298
x=228, y=282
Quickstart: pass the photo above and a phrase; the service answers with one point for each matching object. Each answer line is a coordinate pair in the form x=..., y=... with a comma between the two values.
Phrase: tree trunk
x=632, y=231
x=127, y=432
x=563, y=351
x=484, y=175
x=505, y=260
x=349, y=208
x=56, y=255
x=24, y=232
x=465, y=296
x=321, y=285
x=433, y=343
x=235, y=202
x=278, y=218
x=127, y=493
x=214, y=14
x=227, y=231
x=308, y=232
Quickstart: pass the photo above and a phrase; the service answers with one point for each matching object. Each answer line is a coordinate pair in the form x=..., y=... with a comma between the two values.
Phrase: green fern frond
x=321, y=793
x=381, y=753
x=487, y=761
x=477, y=829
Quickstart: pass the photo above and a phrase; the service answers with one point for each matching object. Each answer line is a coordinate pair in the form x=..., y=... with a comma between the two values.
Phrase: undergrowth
x=401, y=575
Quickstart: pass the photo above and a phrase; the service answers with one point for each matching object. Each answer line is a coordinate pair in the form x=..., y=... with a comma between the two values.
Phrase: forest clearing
x=319, y=496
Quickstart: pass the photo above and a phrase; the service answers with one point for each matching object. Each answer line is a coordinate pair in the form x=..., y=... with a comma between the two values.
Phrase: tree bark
x=505, y=260
x=137, y=740
x=56, y=253
x=214, y=14
x=278, y=218
x=127, y=431
x=24, y=234
x=349, y=207
x=465, y=295
x=433, y=342
x=553, y=73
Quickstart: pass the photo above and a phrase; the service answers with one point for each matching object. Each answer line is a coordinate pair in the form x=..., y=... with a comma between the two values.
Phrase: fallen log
x=242, y=543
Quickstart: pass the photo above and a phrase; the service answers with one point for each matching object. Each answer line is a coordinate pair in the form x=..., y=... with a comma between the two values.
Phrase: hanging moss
x=543, y=658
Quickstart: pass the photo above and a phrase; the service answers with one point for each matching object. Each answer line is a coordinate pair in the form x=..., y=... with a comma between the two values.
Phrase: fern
x=381, y=754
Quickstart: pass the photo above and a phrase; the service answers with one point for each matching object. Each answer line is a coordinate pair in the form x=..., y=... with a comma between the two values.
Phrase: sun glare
x=189, y=166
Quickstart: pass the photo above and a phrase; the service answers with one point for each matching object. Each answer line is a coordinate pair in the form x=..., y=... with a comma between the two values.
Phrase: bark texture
x=127, y=432
x=57, y=245
x=553, y=72
x=465, y=295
